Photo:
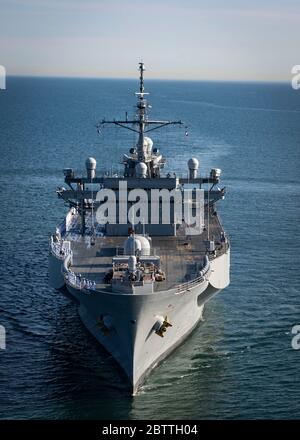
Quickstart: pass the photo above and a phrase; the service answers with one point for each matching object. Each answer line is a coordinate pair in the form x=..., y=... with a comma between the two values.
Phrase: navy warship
x=140, y=270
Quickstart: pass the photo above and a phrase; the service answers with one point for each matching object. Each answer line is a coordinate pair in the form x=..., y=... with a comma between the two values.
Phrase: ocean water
x=239, y=362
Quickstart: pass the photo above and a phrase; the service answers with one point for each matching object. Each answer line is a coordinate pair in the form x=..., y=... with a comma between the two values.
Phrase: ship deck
x=181, y=256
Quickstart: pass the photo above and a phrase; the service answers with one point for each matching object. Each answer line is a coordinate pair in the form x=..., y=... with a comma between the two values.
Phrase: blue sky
x=187, y=39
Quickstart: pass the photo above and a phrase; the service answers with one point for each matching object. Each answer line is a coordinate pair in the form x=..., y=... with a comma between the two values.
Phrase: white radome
x=141, y=169
x=91, y=163
x=193, y=163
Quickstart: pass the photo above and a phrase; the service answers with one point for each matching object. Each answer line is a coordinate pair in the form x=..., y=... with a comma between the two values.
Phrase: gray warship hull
x=140, y=258
x=130, y=335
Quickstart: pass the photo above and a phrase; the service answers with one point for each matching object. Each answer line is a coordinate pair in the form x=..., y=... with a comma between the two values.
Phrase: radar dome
x=131, y=245
x=141, y=169
x=90, y=165
x=145, y=244
x=193, y=163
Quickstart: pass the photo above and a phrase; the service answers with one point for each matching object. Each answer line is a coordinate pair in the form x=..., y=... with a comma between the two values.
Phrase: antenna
x=93, y=239
x=142, y=112
x=208, y=215
x=141, y=122
x=142, y=70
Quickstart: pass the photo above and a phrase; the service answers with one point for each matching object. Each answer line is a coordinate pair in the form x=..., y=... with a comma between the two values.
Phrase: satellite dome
x=131, y=245
x=141, y=169
x=91, y=163
x=145, y=244
x=193, y=163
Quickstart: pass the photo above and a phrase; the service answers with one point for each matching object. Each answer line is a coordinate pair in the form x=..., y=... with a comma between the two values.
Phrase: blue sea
x=239, y=362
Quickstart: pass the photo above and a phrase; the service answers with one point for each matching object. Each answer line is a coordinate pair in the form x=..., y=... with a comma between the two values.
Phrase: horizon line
x=131, y=78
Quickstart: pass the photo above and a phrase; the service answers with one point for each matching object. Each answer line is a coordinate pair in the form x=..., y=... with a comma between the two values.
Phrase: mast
x=142, y=108
x=140, y=124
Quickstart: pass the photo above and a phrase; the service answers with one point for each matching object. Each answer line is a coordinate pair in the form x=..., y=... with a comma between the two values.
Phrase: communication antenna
x=208, y=214
x=93, y=238
x=140, y=124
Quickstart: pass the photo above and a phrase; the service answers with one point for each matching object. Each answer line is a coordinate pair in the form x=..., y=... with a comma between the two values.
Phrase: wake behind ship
x=140, y=270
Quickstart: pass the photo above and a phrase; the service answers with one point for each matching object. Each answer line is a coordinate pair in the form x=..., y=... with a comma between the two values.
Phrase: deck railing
x=60, y=249
x=79, y=283
x=72, y=278
x=196, y=281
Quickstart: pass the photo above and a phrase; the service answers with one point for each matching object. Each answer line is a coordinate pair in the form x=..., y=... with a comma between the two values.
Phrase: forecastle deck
x=181, y=256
